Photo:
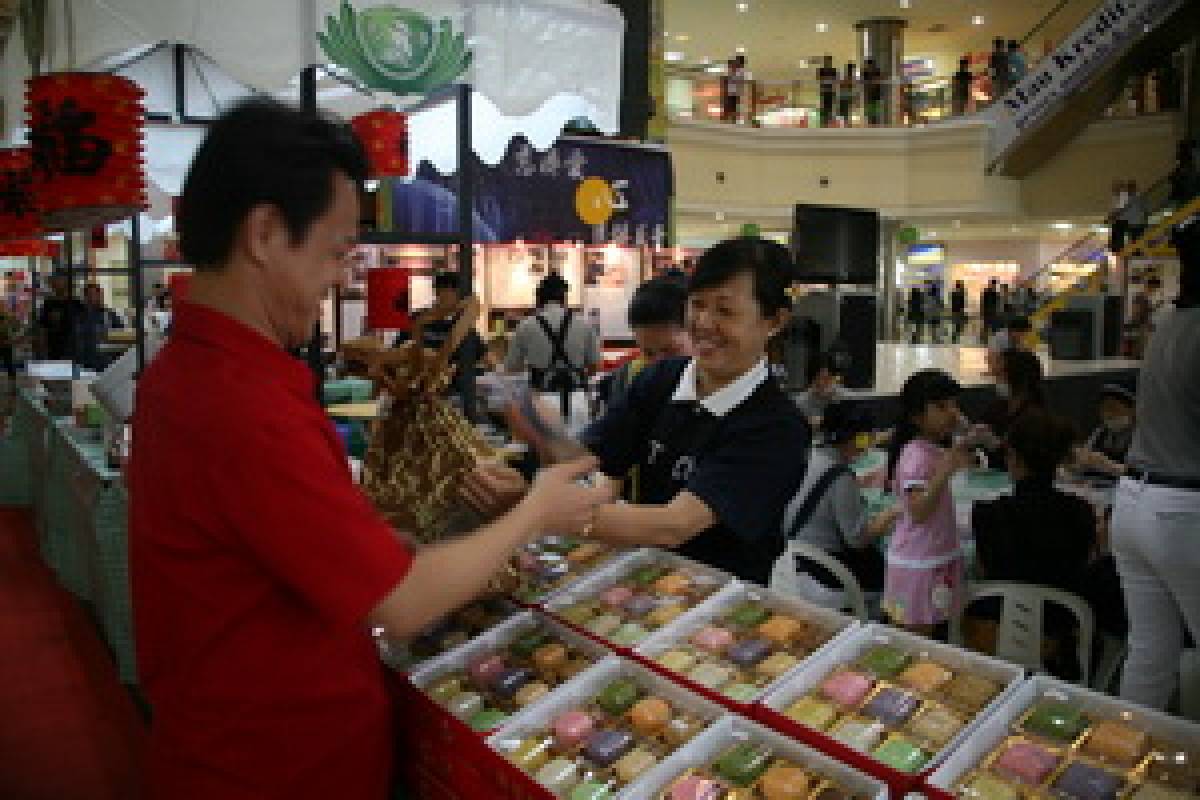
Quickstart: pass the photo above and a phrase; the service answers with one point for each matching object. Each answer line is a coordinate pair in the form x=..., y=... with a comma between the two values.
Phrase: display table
x=96, y=546
x=16, y=485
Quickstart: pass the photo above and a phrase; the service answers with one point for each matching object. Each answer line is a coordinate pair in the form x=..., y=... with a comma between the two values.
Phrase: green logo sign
x=395, y=49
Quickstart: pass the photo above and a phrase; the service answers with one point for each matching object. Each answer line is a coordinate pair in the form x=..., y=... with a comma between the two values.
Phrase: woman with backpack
x=829, y=512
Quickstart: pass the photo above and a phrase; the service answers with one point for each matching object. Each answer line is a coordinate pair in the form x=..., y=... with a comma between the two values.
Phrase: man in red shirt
x=258, y=568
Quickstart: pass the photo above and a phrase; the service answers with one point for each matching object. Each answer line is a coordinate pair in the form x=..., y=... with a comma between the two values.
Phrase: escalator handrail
x=1045, y=20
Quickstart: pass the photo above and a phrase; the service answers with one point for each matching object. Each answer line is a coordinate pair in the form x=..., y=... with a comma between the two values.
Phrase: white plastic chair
x=1019, y=638
x=849, y=598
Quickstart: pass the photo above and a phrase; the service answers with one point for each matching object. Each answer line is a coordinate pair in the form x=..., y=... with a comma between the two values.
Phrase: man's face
x=298, y=275
x=1113, y=410
x=657, y=342
x=446, y=297
x=728, y=330
x=94, y=296
x=58, y=286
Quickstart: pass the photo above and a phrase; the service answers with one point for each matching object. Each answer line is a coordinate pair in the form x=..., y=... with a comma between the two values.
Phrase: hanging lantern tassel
x=18, y=215
x=85, y=131
x=384, y=136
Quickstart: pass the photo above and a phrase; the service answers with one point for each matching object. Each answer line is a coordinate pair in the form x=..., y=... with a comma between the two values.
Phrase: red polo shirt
x=254, y=562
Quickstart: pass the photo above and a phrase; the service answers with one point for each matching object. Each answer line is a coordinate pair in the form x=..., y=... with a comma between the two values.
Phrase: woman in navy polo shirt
x=719, y=447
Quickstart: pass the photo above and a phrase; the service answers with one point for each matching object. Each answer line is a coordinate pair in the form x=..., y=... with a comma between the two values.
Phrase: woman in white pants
x=1156, y=516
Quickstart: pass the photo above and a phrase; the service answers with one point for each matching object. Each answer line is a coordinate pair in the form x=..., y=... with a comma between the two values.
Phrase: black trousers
x=9, y=360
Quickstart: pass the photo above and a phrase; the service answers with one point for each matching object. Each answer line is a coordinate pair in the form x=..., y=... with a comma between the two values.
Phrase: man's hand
x=493, y=488
x=560, y=504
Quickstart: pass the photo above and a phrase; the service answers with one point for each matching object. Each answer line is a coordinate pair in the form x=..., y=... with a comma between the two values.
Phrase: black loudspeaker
x=636, y=105
x=836, y=245
x=856, y=338
x=1113, y=322
x=1070, y=335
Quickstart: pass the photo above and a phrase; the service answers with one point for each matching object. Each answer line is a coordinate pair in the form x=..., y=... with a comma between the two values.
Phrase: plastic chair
x=1019, y=638
x=1112, y=656
x=851, y=596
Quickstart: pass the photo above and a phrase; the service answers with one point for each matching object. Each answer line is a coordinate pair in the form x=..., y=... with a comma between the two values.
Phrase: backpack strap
x=558, y=339
x=558, y=355
x=815, y=494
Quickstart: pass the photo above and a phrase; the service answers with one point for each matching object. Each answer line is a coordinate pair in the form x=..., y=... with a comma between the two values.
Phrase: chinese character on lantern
x=85, y=131
x=18, y=216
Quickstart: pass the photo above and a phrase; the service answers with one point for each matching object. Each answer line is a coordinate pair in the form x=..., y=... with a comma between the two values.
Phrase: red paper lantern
x=16, y=248
x=384, y=135
x=18, y=215
x=85, y=130
x=387, y=299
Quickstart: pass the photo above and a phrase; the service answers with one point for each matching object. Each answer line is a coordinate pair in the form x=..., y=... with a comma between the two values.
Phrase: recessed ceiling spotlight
x=1015, y=229
x=977, y=19
x=957, y=223
x=802, y=63
x=673, y=55
x=1061, y=226
x=667, y=34
x=905, y=3
x=720, y=216
x=714, y=69
x=683, y=37
x=740, y=49
x=931, y=235
x=743, y=7
x=822, y=27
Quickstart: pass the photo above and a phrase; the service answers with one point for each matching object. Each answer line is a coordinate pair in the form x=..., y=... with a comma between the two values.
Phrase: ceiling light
x=802, y=63
x=667, y=34
x=1061, y=226
x=905, y=3
x=673, y=55
x=1015, y=229
x=977, y=19
x=720, y=216
x=822, y=27
x=931, y=235
x=957, y=223
x=740, y=49
x=683, y=37
x=714, y=69
x=743, y=7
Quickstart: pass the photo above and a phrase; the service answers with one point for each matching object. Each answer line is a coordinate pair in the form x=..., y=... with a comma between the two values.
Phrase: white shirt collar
x=725, y=399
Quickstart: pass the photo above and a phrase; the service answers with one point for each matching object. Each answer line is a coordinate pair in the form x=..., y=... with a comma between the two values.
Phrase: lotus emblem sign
x=394, y=49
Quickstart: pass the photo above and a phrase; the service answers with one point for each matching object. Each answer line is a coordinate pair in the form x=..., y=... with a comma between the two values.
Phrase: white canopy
x=534, y=64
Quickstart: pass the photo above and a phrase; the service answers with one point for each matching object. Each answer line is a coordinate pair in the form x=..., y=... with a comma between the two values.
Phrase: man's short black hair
x=551, y=289
x=768, y=263
x=1019, y=324
x=660, y=301
x=262, y=152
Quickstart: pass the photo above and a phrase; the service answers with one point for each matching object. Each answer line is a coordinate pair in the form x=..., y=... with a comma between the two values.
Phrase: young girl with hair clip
x=924, y=582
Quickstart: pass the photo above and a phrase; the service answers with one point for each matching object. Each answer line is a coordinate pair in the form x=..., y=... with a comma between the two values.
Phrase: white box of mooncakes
x=900, y=701
x=1050, y=738
x=737, y=755
x=742, y=643
x=601, y=733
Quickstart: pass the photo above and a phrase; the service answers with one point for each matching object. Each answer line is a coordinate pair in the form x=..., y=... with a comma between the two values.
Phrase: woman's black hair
x=921, y=390
x=1023, y=372
x=844, y=420
x=446, y=280
x=1043, y=442
x=768, y=263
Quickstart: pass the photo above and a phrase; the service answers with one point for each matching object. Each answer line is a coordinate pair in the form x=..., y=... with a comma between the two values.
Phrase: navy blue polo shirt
x=742, y=451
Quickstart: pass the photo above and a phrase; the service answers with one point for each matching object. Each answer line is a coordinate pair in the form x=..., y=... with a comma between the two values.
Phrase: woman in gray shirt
x=1156, y=514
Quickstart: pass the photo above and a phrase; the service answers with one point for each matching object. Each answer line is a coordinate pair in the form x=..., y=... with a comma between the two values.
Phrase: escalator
x=1073, y=85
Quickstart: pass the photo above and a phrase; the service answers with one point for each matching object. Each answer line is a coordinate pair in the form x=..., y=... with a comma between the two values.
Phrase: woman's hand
x=558, y=501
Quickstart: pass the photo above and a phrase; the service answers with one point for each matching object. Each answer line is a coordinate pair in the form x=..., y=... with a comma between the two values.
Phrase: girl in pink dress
x=925, y=579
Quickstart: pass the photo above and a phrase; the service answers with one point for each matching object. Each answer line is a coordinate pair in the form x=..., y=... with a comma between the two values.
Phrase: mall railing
x=696, y=94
